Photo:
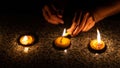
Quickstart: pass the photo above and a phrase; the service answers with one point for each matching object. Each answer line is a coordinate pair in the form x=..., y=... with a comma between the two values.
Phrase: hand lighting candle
x=97, y=44
x=26, y=40
x=62, y=41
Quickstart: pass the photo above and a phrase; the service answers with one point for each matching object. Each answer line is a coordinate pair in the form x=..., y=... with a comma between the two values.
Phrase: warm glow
x=65, y=51
x=97, y=44
x=26, y=49
x=98, y=36
x=64, y=32
x=62, y=41
x=26, y=40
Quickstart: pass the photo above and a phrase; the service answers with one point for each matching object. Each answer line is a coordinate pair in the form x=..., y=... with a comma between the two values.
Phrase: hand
x=81, y=25
x=52, y=15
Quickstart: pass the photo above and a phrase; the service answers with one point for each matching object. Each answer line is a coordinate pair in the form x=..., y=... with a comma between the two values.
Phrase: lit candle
x=62, y=41
x=26, y=40
x=97, y=44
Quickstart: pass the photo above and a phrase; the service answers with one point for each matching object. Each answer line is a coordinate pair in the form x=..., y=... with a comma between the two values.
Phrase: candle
x=97, y=44
x=26, y=40
x=62, y=41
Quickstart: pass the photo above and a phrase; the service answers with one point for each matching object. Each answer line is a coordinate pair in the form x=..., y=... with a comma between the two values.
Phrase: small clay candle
x=26, y=40
x=97, y=44
x=62, y=41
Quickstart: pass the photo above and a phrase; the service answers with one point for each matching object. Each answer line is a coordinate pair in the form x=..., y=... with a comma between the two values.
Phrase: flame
x=98, y=36
x=25, y=39
x=64, y=32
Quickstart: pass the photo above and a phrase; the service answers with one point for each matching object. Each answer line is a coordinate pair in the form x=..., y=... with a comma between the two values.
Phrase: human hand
x=52, y=15
x=82, y=24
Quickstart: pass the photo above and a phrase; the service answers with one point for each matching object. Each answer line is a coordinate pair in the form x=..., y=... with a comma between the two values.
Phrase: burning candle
x=97, y=44
x=62, y=41
x=26, y=40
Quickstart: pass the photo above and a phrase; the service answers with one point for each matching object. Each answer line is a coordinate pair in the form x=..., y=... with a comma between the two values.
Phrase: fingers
x=55, y=18
x=90, y=23
x=81, y=26
x=51, y=18
x=60, y=16
x=77, y=28
x=73, y=26
x=47, y=17
x=47, y=10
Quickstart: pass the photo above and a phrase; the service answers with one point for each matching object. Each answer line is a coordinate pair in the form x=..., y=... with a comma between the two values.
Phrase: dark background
x=30, y=7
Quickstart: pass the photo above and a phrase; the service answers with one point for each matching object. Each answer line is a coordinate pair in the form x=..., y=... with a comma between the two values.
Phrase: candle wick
x=99, y=45
x=61, y=40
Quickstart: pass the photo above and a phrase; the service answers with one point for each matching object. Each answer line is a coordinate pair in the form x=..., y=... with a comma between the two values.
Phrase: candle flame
x=98, y=36
x=25, y=38
x=64, y=32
